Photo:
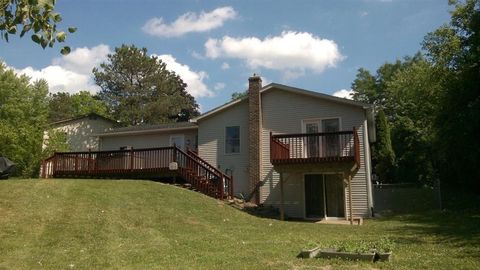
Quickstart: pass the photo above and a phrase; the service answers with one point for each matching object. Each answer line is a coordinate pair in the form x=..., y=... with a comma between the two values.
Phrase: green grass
x=121, y=224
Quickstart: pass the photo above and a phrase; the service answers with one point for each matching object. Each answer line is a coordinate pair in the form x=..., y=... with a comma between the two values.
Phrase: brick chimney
x=254, y=133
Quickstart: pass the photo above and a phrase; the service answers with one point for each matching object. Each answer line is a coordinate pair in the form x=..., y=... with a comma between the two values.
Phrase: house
x=304, y=152
x=81, y=131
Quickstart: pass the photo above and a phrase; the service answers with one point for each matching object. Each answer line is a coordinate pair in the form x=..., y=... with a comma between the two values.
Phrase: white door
x=312, y=144
x=178, y=140
x=321, y=146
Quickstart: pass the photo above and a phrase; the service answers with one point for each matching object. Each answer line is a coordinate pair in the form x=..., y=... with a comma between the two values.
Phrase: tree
x=384, y=155
x=239, y=95
x=23, y=117
x=56, y=141
x=406, y=91
x=33, y=15
x=64, y=105
x=454, y=51
x=138, y=89
x=412, y=99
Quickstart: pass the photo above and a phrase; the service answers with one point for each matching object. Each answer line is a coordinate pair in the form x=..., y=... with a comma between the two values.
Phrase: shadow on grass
x=458, y=227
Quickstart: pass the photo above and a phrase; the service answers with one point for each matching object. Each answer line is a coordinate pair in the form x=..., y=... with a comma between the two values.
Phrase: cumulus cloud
x=292, y=52
x=225, y=66
x=195, y=84
x=344, y=93
x=70, y=73
x=219, y=86
x=83, y=60
x=189, y=22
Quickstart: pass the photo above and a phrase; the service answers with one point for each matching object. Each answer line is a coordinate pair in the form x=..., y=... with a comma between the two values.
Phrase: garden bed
x=380, y=250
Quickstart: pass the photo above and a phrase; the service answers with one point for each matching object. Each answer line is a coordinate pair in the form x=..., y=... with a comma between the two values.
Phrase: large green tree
x=23, y=118
x=407, y=92
x=37, y=16
x=138, y=89
x=454, y=51
x=64, y=105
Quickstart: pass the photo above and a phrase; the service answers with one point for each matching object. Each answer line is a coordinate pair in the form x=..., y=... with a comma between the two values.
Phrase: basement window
x=232, y=140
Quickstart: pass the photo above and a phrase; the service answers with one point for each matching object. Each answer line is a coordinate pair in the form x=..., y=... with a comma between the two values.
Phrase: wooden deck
x=141, y=163
x=315, y=148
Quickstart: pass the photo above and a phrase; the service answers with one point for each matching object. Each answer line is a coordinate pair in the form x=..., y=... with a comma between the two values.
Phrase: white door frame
x=178, y=136
x=318, y=121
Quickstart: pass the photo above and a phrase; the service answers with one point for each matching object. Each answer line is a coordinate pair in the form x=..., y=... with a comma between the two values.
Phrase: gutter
x=147, y=131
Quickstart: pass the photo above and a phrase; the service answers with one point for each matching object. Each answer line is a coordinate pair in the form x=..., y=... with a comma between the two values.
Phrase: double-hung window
x=232, y=140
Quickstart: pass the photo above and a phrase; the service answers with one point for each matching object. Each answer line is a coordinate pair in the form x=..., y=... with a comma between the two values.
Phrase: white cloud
x=83, y=60
x=195, y=85
x=363, y=14
x=225, y=66
x=189, y=22
x=60, y=79
x=291, y=53
x=70, y=73
x=219, y=86
x=198, y=55
x=344, y=93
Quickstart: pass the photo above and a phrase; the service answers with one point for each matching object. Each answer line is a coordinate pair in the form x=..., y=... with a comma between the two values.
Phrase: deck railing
x=137, y=163
x=315, y=147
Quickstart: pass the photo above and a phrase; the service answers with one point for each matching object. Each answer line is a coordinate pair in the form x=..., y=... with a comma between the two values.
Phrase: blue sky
x=216, y=45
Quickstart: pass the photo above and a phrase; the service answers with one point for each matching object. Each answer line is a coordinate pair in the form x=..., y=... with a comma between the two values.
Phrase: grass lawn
x=122, y=224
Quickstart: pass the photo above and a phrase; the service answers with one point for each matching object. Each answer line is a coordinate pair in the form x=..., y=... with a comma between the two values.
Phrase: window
x=232, y=140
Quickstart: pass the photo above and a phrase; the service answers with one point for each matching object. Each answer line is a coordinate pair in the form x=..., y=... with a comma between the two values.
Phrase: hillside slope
x=127, y=224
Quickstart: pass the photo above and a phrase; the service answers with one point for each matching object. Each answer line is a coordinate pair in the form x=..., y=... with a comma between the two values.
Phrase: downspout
x=368, y=167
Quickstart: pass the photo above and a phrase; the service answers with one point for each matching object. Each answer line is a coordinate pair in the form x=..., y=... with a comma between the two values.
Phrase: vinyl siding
x=81, y=134
x=211, y=143
x=283, y=112
x=159, y=139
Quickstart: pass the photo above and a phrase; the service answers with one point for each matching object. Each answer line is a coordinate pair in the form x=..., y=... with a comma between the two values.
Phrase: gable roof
x=288, y=89
x=149, y=129
x=80, y=117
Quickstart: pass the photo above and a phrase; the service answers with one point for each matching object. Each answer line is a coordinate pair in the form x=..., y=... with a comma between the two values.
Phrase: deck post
x=282, y=210
x=350, y=197
x=89, y=160
x=231, y=186
x=222, y=186
x=54, y=167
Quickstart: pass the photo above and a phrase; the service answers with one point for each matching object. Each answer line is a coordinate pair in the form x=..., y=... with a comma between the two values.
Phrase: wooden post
x=89, y=160
x=54, y=167
x=222, y=185
x=131, y=159
x=282, y=210
x=350, y=197
x=231, y=186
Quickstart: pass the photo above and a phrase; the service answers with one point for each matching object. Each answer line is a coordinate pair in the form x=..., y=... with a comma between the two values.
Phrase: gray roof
x=149, y=128
x=90, y=116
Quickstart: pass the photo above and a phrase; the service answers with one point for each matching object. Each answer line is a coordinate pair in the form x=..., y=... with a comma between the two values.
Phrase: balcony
x=315, y=148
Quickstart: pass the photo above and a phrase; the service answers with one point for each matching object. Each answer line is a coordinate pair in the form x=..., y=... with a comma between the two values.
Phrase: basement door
x=324, y=196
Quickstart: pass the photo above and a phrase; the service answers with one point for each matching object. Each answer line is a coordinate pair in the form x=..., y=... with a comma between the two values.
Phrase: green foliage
x=383, y=152
x=64, y=105
x=238, y=95
x=138, y=89
x=23, y=116
x=454, y=50
x=407, y=93
x=37, y=16
x=433, y=105
x=55, y=141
